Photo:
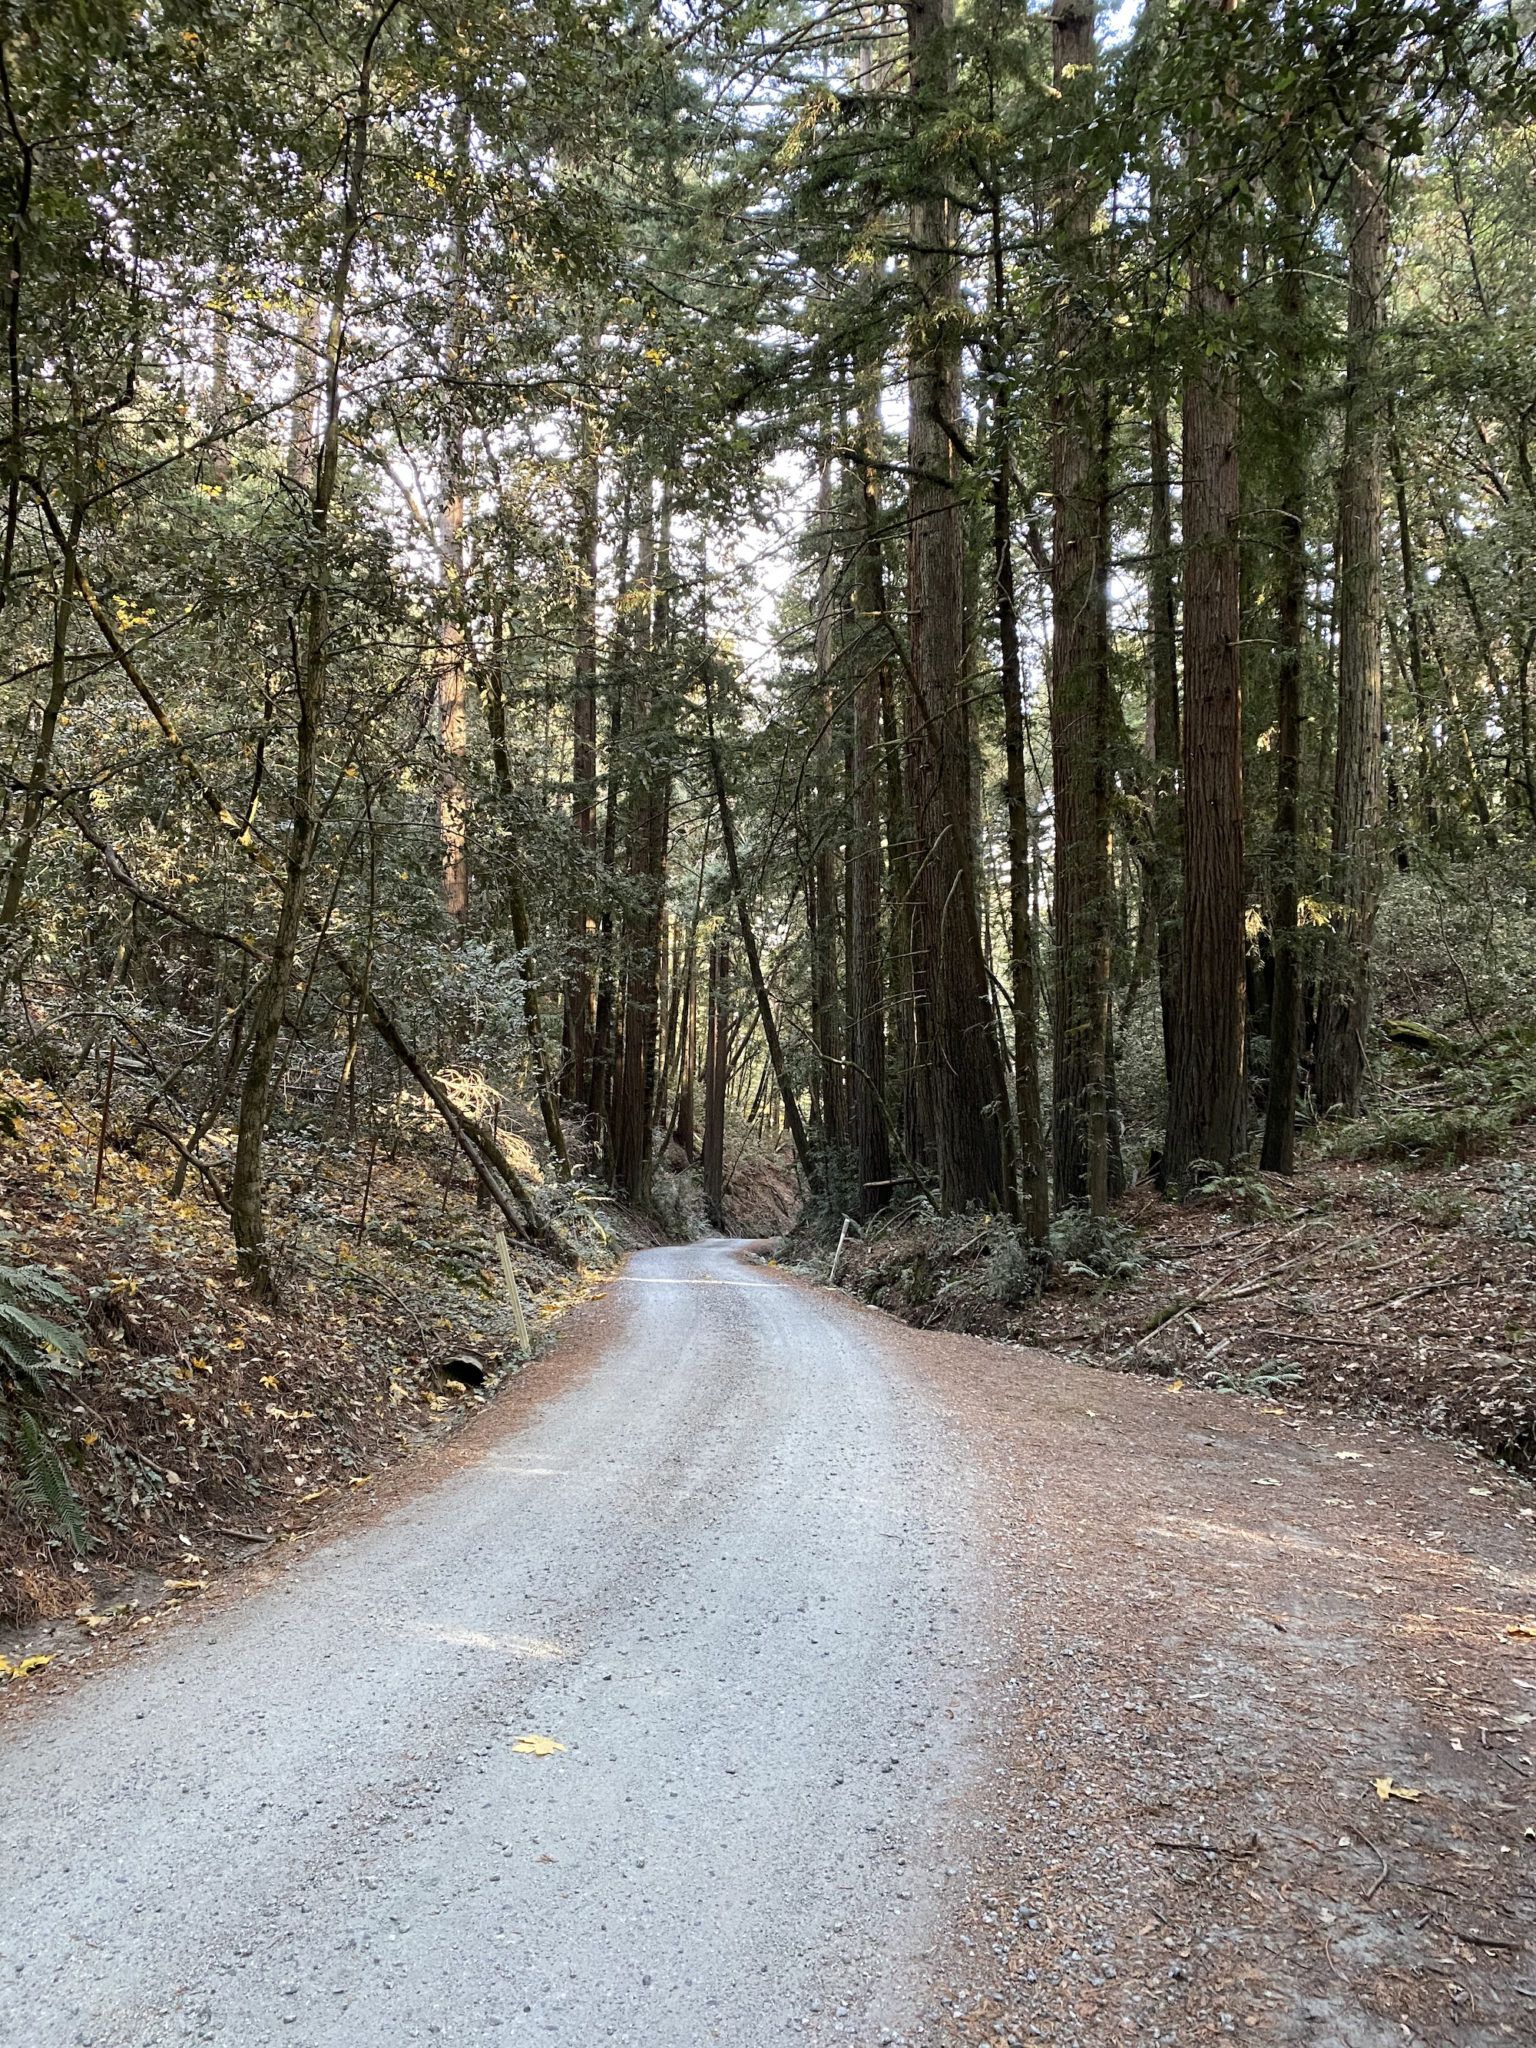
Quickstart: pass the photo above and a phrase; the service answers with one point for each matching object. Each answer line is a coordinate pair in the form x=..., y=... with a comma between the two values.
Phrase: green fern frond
x=41, y=1486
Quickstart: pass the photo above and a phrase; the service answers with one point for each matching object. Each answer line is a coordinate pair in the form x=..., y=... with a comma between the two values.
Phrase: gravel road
x=758, y=1670
x=724, y=1567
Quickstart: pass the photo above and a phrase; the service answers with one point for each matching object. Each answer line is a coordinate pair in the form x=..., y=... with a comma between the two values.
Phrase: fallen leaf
x=25, y=1668
x=185, y=1585
x=1385, y=1789
x=1521, y=1628
x=537, y=1745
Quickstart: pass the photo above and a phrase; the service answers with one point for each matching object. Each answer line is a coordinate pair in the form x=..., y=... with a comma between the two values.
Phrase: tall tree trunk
x=1207, y=1111
x=578, y=1026
x=962, y=1078
x=1033, y=1159
x=866, y=981
x=451, y=704
x=1413, y=602
x=1344, y=1001
x=639, y=1012
x=1163, y=718
x=826, y=1020
x=715, y=1067
x=605, y=1023
x=1292, y=440
x=1080, y=709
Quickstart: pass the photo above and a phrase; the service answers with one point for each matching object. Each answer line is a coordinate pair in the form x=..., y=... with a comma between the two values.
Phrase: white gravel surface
x=730, y=1568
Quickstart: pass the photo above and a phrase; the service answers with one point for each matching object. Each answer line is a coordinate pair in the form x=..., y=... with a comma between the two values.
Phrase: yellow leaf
x=1521, y=1628
x=25, y=1668
x=186, y=1585
x=1385, y=1789
x=537, y=1745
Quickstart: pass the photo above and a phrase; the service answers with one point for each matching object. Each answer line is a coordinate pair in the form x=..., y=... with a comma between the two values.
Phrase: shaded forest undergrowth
x=1394, y=1274
x=1376, y=1286
x=198, y=1426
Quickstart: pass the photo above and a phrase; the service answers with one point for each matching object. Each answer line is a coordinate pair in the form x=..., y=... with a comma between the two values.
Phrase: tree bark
x=1206, y=1119
x=1033, y=1159
x=578, y=1030
x=866, y=981
x=960, y=1067
x=1080, y=708
x=715, y=1066
x=1293, y=444
x=1345, y=999
x=1163, y=711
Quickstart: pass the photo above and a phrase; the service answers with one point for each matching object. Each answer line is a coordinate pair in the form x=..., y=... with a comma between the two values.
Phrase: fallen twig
x=1356, y=1829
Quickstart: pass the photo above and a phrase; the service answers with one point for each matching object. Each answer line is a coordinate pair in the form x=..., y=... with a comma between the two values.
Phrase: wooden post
x=513, y=1297
x=106, y=1118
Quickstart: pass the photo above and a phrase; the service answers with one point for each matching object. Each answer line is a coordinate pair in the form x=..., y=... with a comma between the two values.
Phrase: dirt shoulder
x=1226, y=1630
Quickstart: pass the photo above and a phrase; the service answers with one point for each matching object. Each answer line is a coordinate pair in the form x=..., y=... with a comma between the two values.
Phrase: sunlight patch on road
x=542, y=1649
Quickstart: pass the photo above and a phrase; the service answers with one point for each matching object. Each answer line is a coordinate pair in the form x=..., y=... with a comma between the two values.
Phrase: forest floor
x=1374, y=1289
x=204, y=1427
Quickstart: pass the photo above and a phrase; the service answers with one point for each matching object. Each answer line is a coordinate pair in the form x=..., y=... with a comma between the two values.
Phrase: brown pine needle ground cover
x=203, y=1425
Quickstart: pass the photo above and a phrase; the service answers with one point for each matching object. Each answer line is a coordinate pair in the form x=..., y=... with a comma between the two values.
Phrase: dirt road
x=766, y=1672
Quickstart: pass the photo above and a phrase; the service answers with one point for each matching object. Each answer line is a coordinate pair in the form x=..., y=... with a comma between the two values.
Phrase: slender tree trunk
x=1080, y=720
x=452, y=705
x=961, y=1068
x=308, y=391
x=1207, y=1111
x=1293, y=444
x=872, y=655
x=578, y=997
x=826, y=1021
x=1413, y=600
x=1345, y=999
x=1033, y=1160
x=1163, y=712
x=715, y=1064
x=604, y=1028
x=640, y=989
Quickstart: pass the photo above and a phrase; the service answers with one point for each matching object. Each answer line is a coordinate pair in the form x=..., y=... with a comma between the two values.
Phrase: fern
x=41, y=1486
x=37, y=1350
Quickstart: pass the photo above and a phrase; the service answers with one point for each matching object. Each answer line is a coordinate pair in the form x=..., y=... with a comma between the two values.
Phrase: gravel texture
x=911, y=1689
